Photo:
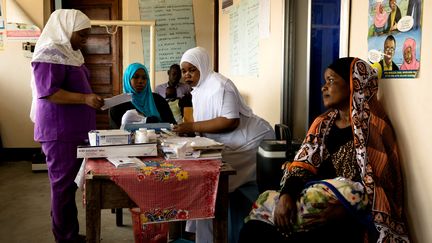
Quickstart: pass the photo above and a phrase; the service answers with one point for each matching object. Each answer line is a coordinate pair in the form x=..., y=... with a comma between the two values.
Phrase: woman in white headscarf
x=63, y=111
x=220, y=113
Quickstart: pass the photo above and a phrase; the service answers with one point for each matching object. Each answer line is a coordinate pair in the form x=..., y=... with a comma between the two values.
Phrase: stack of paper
x=191, y=148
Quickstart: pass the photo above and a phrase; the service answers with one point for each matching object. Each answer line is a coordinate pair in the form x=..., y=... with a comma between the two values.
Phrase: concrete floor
x=25, y=208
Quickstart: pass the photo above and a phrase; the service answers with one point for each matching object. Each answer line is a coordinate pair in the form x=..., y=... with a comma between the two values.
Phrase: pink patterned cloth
x=166, y=190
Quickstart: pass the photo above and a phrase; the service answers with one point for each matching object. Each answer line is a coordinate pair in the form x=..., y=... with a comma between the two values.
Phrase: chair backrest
x=283, y=132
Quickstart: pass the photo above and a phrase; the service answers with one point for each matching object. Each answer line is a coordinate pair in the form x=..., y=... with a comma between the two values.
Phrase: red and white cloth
x=166, y=190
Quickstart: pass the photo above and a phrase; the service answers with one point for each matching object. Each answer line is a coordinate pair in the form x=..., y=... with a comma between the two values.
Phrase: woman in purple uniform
x=63, y=111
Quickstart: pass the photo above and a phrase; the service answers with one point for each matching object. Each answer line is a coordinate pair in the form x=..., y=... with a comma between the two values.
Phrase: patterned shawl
x=375, y=150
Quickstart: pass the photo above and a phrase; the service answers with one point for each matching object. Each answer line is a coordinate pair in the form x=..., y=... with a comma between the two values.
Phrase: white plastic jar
x=152, y=137
x=141, y=136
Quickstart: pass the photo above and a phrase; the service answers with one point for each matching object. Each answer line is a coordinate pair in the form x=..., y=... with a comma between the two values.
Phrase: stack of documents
x=191, y=148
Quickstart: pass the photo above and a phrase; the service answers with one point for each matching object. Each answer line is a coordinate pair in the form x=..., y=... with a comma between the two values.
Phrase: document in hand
x=116, y=100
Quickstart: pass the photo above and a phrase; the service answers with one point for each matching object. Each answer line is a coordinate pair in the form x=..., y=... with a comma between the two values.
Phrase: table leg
x=93, y=211
x=119, y=216
x=220, y=222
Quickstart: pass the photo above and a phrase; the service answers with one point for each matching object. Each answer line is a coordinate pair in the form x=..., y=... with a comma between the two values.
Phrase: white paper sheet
x=116, y=100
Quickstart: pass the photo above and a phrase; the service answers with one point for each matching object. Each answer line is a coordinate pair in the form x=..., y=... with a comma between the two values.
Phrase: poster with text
x=244, y=38
x=175, y=30
x=394, y=37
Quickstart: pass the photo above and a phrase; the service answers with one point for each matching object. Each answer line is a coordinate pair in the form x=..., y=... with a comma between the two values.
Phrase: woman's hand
x=187, y=127
x=285, y=213
x=331, y=211
x=94, y=100
x=66, y=97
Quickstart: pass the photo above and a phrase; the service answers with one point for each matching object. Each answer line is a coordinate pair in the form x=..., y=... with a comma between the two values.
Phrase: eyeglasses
x=389, y=49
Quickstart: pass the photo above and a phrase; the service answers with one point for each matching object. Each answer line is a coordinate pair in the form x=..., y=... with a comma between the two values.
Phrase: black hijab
x=342, y=67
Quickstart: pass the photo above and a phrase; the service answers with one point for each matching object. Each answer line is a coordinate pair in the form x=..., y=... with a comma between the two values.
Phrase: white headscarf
x=211, y=87
x=53, y=45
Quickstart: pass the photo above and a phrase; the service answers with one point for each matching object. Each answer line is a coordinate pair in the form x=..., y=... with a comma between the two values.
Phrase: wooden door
x=103, y=52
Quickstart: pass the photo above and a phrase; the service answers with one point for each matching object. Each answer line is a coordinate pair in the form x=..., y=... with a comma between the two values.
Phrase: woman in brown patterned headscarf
x=354, y=140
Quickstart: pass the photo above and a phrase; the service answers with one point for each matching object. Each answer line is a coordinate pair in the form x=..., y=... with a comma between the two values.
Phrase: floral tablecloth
x=166, y=190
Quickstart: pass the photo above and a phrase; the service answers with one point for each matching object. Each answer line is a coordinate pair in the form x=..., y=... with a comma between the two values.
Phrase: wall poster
x=244, y=38
x=394, y=37
x=175, y=30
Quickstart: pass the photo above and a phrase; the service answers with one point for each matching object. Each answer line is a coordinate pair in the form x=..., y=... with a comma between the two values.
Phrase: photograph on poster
x=394, y=37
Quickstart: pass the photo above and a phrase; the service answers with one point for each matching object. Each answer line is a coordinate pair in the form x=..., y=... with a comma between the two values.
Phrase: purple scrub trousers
x=63, y=167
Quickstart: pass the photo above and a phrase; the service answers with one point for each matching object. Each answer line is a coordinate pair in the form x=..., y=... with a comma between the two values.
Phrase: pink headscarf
x=380, y=18
x=414, y=65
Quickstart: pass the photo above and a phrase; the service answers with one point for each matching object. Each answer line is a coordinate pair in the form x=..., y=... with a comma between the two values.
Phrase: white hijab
x=53, y=45
x=211, y=87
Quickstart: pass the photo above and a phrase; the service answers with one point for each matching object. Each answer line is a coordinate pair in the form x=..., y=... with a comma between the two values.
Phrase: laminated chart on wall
x=244, y=38
x=175, y=30
x=19, y=25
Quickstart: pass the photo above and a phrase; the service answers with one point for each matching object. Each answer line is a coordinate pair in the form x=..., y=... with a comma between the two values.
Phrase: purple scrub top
x=59, y=122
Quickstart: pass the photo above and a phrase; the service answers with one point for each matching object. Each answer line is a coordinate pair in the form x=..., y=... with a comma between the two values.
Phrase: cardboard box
x=109, y=137
x=122, y=150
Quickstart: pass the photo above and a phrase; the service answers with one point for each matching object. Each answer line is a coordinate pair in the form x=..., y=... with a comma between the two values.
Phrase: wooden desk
x=102, y=193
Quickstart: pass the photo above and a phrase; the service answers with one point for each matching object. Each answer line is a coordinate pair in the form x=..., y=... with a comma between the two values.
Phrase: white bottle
x=141, y=136
x=152, y=137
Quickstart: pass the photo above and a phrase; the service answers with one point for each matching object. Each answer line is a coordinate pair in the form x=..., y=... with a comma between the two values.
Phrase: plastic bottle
x=152, y=137
x=141, y=136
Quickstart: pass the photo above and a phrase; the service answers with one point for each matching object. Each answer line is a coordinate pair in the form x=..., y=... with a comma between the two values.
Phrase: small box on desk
x=109, y=137
x=121, y=150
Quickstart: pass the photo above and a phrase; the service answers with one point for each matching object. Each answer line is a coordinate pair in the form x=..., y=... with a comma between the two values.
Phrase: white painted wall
x=408, y=103
x=16, y=129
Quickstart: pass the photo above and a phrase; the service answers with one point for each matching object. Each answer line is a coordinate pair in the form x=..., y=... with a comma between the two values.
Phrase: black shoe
x=80, y=239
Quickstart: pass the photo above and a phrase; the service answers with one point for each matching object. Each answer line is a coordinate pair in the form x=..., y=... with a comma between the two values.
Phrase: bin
x=272, y=154
x=148, y=233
